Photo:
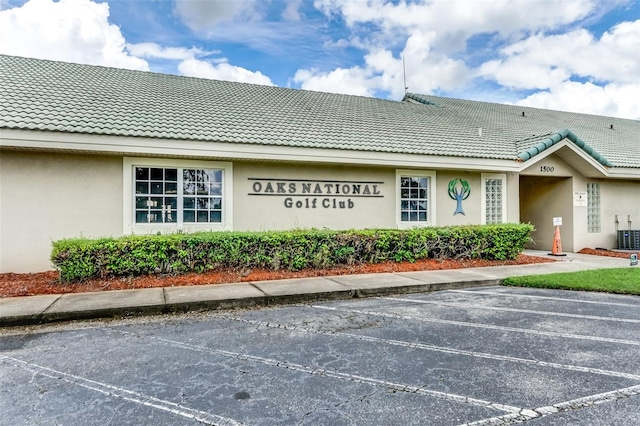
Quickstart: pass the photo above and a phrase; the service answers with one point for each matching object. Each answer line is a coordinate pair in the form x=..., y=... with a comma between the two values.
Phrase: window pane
x=171, y=217
x=156, y=202
x=203, y=216
x=141, y=216
x=203, y=203
x=142, y=187
x=189, y=188
x=156, y=188
x=156, y=174
x=202, y=189
x=189, y=175
x=422, y=182
x=141, y=202
x=189, y=203
x=170, y=188
x=215, y=188
x=216, y=203
x=404, y=205
x=172, y=202
x=171, y=175
x=142, y=173
x=155, y=216
x=189, y=216
x=404, y=216
x=422, y=216
x=209, y=175
x=215, y=217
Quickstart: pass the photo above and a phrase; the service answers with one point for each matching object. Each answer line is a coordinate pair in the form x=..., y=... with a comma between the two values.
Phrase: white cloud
x=350, y=81
x=292, y=10
x=455, y=21
x=222, y=71
x=615, y=100
x=426, y=71
x=200, y=15
x=427, y=34
x=66, y=30
x=542, y=61
x=154, y=50
x=575, y=71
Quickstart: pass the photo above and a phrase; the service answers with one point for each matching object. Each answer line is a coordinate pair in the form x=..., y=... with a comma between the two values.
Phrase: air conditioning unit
x=629, y=239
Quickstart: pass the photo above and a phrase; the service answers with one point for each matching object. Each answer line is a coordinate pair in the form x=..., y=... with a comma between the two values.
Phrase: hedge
x=78, y=259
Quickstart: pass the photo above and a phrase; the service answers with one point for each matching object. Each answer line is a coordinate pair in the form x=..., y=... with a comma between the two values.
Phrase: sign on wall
x=459, y=193
x=313, y=194
x=580, y=198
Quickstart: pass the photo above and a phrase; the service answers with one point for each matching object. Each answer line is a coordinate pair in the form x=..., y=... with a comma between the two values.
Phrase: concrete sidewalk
x=49, y=308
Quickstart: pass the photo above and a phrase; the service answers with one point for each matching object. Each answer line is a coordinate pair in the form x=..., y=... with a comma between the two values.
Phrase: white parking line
x=574, y=404
x=496, y=308
x=531, y=296
x=476, y=325
x=118, y=392
x=317, y=371
x=442, y=349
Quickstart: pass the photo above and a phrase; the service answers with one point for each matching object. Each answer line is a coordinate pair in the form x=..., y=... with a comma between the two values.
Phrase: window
x=156, y=195
x=494, y=198
x=593, y=207
x=415, y=195
x=166, y=195
x=413, y=198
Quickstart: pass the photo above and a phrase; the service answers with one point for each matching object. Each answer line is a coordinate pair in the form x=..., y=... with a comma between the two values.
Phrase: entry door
x=541, y=199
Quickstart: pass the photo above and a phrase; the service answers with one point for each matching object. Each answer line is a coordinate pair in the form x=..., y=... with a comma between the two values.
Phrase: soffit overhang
x=157, y=147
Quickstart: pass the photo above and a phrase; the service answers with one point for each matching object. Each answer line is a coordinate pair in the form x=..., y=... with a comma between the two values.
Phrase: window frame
x=483, y=195
x=129, y=193
x=431, y=197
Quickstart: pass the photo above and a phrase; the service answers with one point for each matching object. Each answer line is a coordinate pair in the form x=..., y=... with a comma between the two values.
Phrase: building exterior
x=93, y=151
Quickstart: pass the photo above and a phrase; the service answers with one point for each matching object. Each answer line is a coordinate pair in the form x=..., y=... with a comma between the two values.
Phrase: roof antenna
x=404, y=73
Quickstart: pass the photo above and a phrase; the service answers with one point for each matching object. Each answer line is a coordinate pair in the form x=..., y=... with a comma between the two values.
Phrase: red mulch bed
x=609, y=253
x=12, y=285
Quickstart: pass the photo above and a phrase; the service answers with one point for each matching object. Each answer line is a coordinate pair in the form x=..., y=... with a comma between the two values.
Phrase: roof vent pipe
x=611, y=127
x=480, y=131
x=523, y=113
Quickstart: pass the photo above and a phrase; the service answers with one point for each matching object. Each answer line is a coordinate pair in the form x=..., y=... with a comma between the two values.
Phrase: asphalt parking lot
x=490, y=355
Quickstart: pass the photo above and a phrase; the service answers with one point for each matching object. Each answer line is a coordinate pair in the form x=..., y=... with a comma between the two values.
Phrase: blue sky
x=576, y=55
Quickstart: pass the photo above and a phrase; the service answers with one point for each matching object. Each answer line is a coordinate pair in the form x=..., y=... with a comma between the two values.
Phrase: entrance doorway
x=541, y=199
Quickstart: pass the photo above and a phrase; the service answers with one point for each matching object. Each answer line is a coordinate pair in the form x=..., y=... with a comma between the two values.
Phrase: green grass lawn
x=619, y=280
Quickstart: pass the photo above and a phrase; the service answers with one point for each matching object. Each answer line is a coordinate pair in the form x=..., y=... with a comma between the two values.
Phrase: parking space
x=490, y=355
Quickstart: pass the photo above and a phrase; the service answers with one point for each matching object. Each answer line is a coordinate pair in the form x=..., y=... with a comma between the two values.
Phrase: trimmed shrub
x=78, y=259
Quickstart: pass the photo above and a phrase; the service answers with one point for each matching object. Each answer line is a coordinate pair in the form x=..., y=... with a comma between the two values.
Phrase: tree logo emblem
x=459, y=193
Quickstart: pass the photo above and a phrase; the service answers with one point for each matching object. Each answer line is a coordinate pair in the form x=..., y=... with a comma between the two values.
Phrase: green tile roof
x=63, y=97
x=617, y=146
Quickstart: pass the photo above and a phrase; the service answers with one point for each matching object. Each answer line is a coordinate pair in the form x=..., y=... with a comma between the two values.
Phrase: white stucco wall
x=621, y=198
x=46, y=197
x=50, y=196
